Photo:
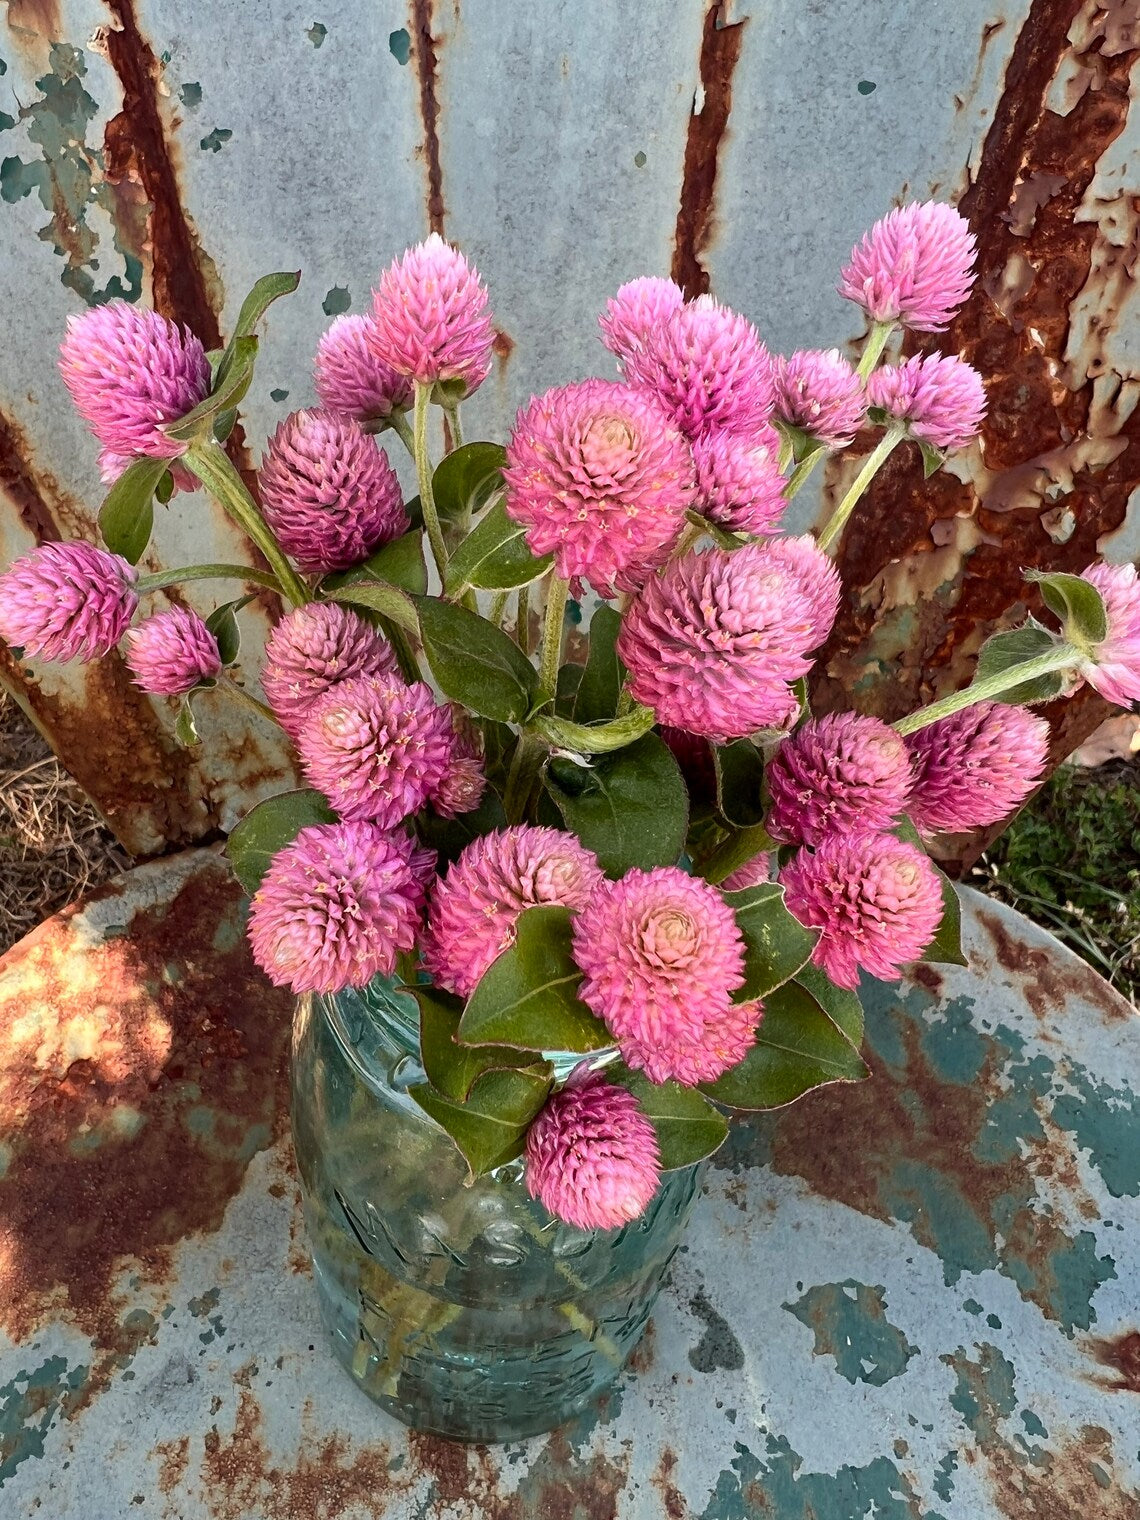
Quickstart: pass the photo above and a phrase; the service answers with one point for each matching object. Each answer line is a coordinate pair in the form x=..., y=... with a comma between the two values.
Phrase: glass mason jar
x=464, y=1310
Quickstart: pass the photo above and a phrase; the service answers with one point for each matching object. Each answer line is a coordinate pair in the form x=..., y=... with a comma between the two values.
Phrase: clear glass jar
x=464, y=1310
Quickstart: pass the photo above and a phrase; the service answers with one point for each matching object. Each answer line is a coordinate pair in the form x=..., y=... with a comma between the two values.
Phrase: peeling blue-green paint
x=214, y=141
x=849, y=1322
x=279, y=393
x=336, y=301
x=640, y=160
x=317, y=33
x=191, y=94
x=400, y=45
x=29, y=1406
x=718, y=1348
x=943, y=1476
x=866, y=86
x=774, y=1486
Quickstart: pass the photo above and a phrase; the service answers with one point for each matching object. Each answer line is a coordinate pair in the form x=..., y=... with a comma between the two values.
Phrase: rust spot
x=503, y=346
x=1122, y=1354
x=927, y=977
x=1047, y=980
x=673, y=1504
x=427, y=68
x=1078, y=1480
x=175, y=1458
x=38, y=16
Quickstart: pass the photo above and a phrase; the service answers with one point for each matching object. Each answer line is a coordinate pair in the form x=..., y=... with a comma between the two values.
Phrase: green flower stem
x=163, y=578
x=557, y=595
x=736, y=851
x=522, y=620
x=784, y=454
x=890, y=439
x=499, y=603
x=402, y=648
x=1061, y=657
x=451, y=411
x=876, y=342
x=526, y=762
x=423, y=475
x=398, y=422
x=799, y=475
x=227, y=683
x=214, y=468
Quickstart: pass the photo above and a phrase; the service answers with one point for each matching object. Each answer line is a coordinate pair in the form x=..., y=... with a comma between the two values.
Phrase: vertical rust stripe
x=19, y=483
x=427, y=68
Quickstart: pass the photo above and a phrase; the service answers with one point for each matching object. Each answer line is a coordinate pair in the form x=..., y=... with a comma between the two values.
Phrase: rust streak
x=19, y=483
x=1122, y=1354
x=427, y=68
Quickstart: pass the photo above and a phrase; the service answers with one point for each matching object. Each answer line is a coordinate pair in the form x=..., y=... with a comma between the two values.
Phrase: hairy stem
x=398, y=422
x=522, y=620
x=892, y=437
x=423, y=475
x=214, y=468
x=451, y=412
x=1061, y=657
x=227, y=683
x=526, y=762
x=799, y=475
x=163, y=578
x=876, y=342
x=557, y=594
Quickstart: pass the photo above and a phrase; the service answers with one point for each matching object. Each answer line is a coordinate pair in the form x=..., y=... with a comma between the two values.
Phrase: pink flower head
x=171, y=652
x=431, y=317
x=591, y=1155
x=601, y=479
x=464, y=782
x=68, y=601
x=1113, y=668
x=835, y=774
x=713, y=641
x=350, y=378
x=376, y=747
x=752, y=874
x=662, y=956
x=709, y=368
x=940, y=397
x=915, y=266
x=739, y=484
x=312, y=649
x=976, y=766
x=816, y=576
x=336, y=907
x=876, y=901
x=328, y=492
x=635, y=311
x=817, y=390
x=475, y=907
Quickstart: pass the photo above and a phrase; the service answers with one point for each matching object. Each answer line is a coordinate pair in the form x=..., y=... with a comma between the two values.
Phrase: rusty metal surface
x=915, y=1299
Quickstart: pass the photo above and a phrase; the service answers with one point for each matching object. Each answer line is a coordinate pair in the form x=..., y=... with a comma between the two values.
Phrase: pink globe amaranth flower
x=752, y=874
x=336, y=907
x=171, y=652
x=940, y=397
x=976, y=766
x=915, y=265
x=129, y=371
x=314, y=648
x=376, y=747
x=464, y=782
x=876, y=901
x=592, y=1157
x=739, y=484
x=709, y=368
x=639, y=307
x=328, y=492
x=475, y=907
x=1113, y=669
x=601, y=479
x=816, y=576
x=662, y=955
x=350, y=379
x=835, y=774
x=67, y=601
x=819, y=391
x=431, y=317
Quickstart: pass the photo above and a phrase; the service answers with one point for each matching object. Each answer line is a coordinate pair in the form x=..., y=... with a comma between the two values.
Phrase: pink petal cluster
x=752, y=874
x=739, y=484
x=475, y=907
x=713, y=641
x=1114, y=668
x=976, y=766
x=835, y=774
x=819, y=391
x=875, y=899
x=328, y=492
x=662, y=956
x=171, y=652
x=601, y=479
x=312, y=649
x=129, y=371
x=940, y=397
x=67, y=601
x=431, y=317
x=350, y=379
x=336, y=907
x=592, y=1157
x=635, y=311
x=462, y=785
x=915, y=266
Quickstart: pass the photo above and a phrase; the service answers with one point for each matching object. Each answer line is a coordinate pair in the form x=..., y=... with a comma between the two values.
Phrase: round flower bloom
x=739, y=484
x=708, y=366
x=475, y=907
x=129, y=371
x=1113, y=669
x=940, y=397
x=635, y=311
x=752, y=874
x=713, y=641
x=835, y=774
x=171, y=652
x=463, y=784
x=816, y=576
x=350, y=379
x=431, y=317
x=336, y=907
x=976, y=766
x=915, y=265
x=819, y=391
x=67, y=601
x=662, y=954
x=591, y=1155
x=376, y=747
x=876, y=901
x=312, y=649
x=600, y=478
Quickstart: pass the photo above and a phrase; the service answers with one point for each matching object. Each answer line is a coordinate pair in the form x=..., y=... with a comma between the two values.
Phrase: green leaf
x=631, y=808
x=268, y=828
x=842, y=1006
x=233, y=382
x=946, y=946
x=932, y=458
x=164, y=490
x=185, y=728
x=1076, y=602
x=127, y=514
x=601, y=683
x=528, y=996
x=494, y=556
x=467, y=478
x=777, y=945
x=739, y=783
x=688, y=1127
x=387, y=600
x=1004, y=651
x=490, y=1127
x=569, y=679
x=474, y=662
x=803, y=443
x=223, y=624
x=449, y=837
x=599, y=739
x=400, y=564
x=261, y=297
x=451, y=1068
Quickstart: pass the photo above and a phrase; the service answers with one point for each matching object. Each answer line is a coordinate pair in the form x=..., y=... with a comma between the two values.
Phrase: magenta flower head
x=875, y=900
x=171, y=652
x=816, y=576
x=475, y=907
x=67, y=601
x=635, y=311
x=753, y=873
x=940, y=398
x=817, y=390
x=601, y=479
x=463, y=783
x=336, y=907
x=739, y=484
x=376, y=747
x=836, y=774
x=591, y=1155
x=351, y=380
x=431, y=317
x=976, y=766
x=915, y=266
x=662, y=956
x=328, y=492
x=1113, y=668
x=313, y=648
